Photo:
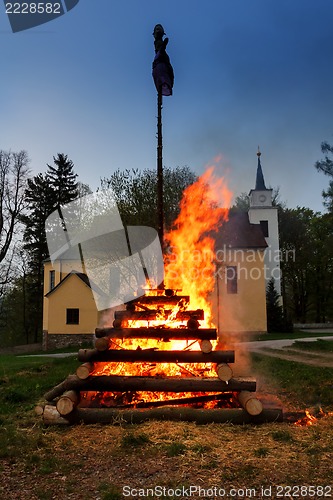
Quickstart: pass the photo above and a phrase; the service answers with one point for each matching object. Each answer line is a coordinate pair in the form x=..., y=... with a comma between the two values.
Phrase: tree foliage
x=275, y=316
x=306, y=248
x=13, y=177
x=44, y=194
x=326, y=166
x=135, y=194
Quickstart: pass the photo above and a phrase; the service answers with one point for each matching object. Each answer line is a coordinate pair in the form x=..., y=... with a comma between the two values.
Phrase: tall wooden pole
x=160, y=209
x=160, y=213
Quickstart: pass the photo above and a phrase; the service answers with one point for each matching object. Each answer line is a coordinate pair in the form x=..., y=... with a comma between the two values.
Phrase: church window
x=72, y=316
x=264, y=227
x=231, y=278
x=52, y=279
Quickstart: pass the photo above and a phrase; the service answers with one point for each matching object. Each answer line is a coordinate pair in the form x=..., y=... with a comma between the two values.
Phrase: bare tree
x=13, y=176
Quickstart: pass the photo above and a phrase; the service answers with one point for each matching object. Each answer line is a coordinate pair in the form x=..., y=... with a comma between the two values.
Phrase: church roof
x=260, y=181
x=83, y=277
x=237, y=232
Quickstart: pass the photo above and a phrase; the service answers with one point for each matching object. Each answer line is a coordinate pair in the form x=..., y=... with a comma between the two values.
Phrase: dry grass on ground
x=95, y=462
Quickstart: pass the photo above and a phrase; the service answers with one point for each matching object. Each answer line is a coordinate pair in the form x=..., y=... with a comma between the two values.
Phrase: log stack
x=229, y=398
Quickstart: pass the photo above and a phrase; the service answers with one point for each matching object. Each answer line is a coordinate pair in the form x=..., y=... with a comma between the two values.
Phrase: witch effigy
x=162, y=70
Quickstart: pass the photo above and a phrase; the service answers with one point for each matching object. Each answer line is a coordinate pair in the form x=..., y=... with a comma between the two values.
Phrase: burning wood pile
x=155, y=362
x=161, y=357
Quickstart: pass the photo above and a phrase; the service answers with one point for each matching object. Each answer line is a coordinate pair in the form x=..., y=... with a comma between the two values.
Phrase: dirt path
x=298, y=356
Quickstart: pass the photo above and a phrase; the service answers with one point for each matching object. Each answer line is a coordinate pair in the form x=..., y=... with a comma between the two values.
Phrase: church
x=246, y=254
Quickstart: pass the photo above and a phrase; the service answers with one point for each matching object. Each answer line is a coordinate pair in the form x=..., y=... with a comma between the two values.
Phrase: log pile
x=191, y=396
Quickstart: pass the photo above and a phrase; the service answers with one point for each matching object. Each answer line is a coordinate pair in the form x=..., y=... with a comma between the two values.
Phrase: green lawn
x=300, y=384
x=294, y=335
x=320, y=346
x=95, y=462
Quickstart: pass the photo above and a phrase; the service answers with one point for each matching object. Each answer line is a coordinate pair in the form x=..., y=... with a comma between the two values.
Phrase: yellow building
x=240, y=294
x=70, y=314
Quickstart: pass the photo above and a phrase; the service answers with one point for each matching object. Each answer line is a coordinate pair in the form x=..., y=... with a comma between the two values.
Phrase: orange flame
x=190, y=260
x=190, y=270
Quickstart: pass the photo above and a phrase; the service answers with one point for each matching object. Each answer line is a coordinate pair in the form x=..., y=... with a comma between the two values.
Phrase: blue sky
x=247, y=73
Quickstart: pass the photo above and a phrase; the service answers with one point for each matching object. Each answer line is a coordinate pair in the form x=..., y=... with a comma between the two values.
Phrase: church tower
x=263, y=212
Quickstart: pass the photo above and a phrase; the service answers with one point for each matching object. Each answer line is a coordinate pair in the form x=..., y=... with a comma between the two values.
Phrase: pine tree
x=275, y=317
x=62, y=180
x=45, y=193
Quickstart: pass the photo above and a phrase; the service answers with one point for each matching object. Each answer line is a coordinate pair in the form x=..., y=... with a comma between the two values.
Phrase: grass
x=306, y=385
x=294, y=335
x=319, y=345
x=95, y=461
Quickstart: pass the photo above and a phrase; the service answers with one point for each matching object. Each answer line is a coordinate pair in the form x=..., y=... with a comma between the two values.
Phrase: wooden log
x=84, y=371
x=250, y=403
x=39, y=410
x=102, y=344
x=155, y=356
x=51, y=416
x=67, y=402
x=158, y=333
x=199, y=416
x=180, y=401
x=153, y=314
x=223, y=371
x=114, y=383
x=71, y=382
x=206, y=346
x=85, y=355
x=160, y=299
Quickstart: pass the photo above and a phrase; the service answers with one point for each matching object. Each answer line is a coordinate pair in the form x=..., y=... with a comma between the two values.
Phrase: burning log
x=157, y=333
x=250, y=403
x=154, y=356
x=180, y=401
x=83, y=371
x=206, y=346
x=153, y=314
x=67, y=402
x=102, y=344
x=114, y=383
x=223, y=371
x=161, y=299
x=111, y=383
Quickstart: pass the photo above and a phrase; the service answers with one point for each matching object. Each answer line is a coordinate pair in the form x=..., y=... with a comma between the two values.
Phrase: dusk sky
x=247, y=73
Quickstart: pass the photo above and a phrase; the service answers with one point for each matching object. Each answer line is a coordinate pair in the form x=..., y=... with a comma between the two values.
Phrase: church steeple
x=260, y=196
x=260, y=181
x=263, y=212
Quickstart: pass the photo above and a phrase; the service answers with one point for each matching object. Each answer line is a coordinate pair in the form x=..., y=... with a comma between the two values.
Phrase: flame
x=310, y=419
x=190, y=263
x=189, y=271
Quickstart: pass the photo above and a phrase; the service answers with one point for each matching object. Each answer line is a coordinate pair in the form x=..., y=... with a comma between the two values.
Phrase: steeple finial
x=260, y=182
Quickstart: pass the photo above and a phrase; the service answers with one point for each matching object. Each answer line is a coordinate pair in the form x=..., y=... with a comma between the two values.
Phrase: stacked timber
x=64, y=401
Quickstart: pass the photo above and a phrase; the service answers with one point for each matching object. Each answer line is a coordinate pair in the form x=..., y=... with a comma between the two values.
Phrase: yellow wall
x=246, y=310
x=73, y=293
